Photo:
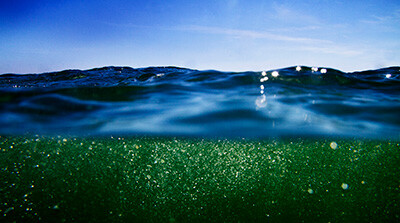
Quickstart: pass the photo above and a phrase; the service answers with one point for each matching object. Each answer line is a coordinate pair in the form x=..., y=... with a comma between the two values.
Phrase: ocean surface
x=168, y=144
x=174, y=101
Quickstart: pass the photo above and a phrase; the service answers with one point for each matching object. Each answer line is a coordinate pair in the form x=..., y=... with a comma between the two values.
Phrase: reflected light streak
x=261, y=101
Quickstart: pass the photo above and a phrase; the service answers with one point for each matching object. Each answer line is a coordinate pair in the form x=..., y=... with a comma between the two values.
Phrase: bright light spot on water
x=298, y=68
x=264, y=73
x=275, y=74
x=314, y=69
x=323, y=71
x=310, y=191
x=261, y=101
x=333, y=145
x=345, y=186
x=388, y=75
x=263, y=79
x=262, y=87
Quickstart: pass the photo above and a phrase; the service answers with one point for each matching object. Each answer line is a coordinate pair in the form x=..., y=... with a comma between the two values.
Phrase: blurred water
x=176, y=101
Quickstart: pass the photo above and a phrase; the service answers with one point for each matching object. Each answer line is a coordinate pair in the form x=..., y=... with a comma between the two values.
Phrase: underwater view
x=170, y=144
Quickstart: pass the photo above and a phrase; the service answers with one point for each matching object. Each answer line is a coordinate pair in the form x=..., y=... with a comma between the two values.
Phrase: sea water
x=175, y=145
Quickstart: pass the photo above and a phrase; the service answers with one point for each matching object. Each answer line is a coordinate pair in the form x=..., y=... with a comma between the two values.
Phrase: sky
x=230, y=35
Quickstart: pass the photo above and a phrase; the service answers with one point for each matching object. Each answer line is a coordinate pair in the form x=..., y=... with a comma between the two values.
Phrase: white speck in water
x=275, y=74
x=314, y=69
x=388, y=75
x=345, y=186
x=8, y=210
x=262, y=87
x=310, y=191
x=298, y=68
x=323, y=71
x=264, y=73
x=263, y=79
x=261, y=101
x=333, y=145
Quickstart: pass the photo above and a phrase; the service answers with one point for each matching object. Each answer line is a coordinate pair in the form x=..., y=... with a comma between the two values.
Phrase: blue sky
x=230, y=35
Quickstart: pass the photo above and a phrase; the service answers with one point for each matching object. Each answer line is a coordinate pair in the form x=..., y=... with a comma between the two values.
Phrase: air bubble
x=333, y=145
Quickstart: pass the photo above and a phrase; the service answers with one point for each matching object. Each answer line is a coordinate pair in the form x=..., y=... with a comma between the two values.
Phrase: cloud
x=282, y=12
x=312, y=45
x=237, y=33
x=231, y=4
x=296, y=29
x=243, y=33
x=393, y=18
x=126, y=25
x=332, y=49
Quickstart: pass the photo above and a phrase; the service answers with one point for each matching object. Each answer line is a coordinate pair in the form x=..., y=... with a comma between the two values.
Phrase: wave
x=179, y=101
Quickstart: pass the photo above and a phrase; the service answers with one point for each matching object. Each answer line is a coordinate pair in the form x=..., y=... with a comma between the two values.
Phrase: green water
x=149, y=179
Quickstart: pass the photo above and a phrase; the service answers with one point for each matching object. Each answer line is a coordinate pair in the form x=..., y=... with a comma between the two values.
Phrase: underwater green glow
x=156, y=179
